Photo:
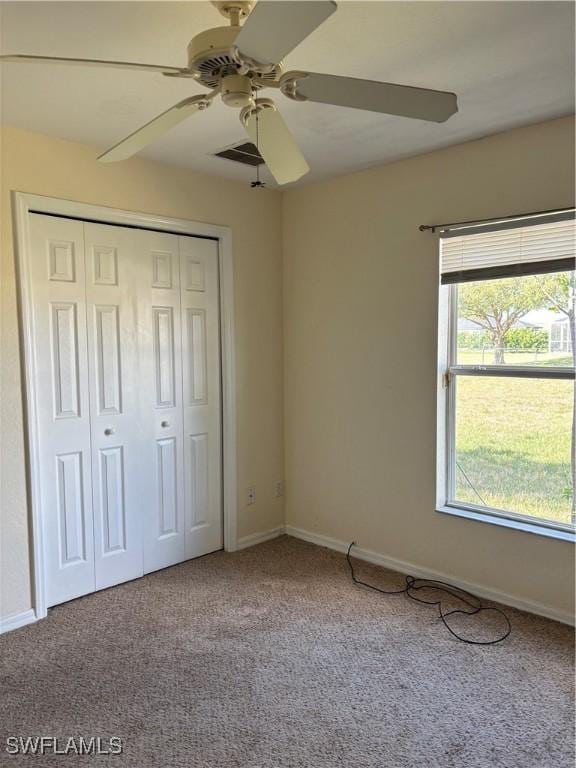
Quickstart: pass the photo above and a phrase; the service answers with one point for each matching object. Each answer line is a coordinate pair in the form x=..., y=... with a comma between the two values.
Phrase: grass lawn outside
x=513, y=442
x=518, y=357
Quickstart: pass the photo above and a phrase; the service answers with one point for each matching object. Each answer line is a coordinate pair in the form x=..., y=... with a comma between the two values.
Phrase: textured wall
x=41, y=165
x=360, y=323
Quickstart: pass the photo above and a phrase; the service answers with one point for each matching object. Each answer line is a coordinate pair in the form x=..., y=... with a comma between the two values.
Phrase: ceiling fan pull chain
x=257, y=184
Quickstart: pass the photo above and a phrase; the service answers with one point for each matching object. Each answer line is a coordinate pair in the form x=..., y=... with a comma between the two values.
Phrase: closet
x=125, y=328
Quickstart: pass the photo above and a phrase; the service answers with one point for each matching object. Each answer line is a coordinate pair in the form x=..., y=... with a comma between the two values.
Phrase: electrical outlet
x=251, y=495
x=279, y=489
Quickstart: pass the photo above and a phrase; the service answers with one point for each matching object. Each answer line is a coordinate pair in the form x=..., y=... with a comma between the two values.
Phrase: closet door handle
x=165, y=424
x=109, y=431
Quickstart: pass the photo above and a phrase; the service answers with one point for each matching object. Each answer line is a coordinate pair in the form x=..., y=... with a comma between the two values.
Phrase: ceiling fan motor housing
x=212, y=57
x=236, y=91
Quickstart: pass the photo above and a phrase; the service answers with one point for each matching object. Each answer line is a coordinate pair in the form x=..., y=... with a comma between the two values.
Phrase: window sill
x=506, y=522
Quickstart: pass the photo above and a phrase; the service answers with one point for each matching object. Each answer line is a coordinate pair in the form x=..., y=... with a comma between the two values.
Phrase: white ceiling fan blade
x=268, y=131
x=274, y=27
x=155, y=128
x=388, y=98
x=24, y=59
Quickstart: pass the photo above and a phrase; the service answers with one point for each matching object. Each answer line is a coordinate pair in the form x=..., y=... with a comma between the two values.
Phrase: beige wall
x=360, y=312
x=46, y=166
x=360, y=318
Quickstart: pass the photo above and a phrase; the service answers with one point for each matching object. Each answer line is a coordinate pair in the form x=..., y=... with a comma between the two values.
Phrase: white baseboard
x=16, y=620
x=261, y=536
x=409, y=568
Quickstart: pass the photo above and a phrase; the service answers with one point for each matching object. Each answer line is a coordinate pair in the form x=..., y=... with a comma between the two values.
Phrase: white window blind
x=507, y=248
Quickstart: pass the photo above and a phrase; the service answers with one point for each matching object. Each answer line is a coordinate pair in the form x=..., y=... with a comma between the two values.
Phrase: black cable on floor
x=473, y=603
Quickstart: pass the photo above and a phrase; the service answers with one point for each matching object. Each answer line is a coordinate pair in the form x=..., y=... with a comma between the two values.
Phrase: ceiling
x=511, y=64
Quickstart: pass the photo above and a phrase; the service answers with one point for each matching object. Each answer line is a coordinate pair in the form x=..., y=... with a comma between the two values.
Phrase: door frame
x=25, y=203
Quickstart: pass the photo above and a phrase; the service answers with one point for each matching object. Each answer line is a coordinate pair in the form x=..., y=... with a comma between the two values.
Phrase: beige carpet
x=271, y=658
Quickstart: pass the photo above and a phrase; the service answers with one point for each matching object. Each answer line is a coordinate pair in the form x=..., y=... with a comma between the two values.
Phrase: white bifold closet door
x=126, y=337
x=179, y=307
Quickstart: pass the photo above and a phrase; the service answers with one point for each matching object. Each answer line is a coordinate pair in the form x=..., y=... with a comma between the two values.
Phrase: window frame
x=448, y=373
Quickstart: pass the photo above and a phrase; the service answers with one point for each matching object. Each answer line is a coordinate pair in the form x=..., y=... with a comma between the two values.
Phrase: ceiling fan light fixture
x=236, y=91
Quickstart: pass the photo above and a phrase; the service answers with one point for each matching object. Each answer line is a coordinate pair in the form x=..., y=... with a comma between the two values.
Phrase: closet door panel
x=117, y=432
x=202, y=402
x=63, y=408
x=161, y=352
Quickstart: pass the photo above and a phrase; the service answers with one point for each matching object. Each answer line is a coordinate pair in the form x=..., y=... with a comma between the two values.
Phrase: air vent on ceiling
x=245, y=153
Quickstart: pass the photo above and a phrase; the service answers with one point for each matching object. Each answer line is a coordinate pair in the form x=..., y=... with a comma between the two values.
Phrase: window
x=507, y=333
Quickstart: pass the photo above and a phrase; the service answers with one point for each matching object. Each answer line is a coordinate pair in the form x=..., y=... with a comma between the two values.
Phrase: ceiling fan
x=238, y=61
